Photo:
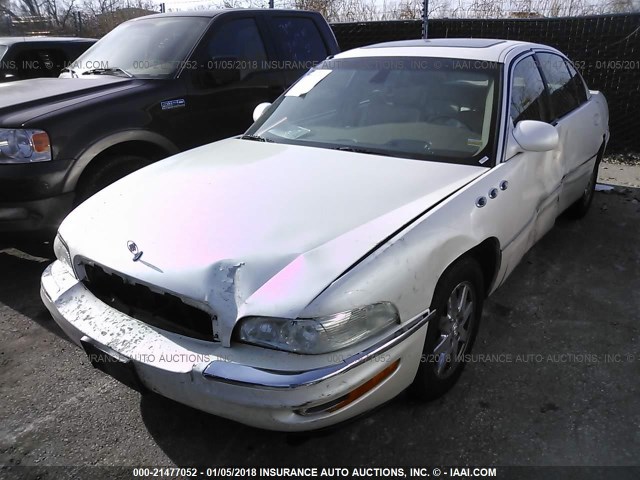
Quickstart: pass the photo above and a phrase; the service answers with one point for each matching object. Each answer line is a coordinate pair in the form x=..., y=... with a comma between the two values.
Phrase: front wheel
x=458, y=303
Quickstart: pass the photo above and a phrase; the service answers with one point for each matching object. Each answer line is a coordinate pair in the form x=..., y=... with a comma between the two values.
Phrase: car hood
x=245, y=227
x=26, y=99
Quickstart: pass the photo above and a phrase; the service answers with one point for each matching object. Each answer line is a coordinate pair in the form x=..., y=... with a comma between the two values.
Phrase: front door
x=533, y=178
x=231, y=75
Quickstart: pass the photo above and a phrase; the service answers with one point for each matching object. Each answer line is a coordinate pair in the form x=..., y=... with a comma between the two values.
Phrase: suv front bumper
x=248, y=384
x=32, y=197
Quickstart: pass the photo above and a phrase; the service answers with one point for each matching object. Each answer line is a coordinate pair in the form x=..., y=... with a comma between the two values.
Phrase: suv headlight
x=24, y=146
x=318, y=335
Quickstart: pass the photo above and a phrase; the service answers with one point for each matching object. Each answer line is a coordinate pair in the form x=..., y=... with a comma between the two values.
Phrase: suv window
x=299, y=39
x=527, y=92
x=239, y=40
x=560, y=85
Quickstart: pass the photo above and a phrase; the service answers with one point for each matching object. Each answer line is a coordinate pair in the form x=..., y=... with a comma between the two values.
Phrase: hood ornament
x=133, y=248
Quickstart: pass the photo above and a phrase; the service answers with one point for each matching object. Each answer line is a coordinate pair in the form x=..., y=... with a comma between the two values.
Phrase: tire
x=450, y=335
x=581, y=206
x=106, y=172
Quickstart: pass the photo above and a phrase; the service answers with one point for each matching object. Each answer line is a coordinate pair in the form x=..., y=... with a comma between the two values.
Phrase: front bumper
x=23, y=220
x=32, y=197
x=251, y=385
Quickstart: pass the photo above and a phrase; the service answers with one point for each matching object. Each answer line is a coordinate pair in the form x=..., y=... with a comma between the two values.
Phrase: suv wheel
x=108, y=171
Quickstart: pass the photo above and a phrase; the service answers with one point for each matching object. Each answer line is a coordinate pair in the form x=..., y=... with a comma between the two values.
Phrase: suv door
x=577, y=122
x=231, y=76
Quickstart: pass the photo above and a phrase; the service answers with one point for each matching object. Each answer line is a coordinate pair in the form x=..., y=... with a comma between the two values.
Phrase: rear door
x=578, y=123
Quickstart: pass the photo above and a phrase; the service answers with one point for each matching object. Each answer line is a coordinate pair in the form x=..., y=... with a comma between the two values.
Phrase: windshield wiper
x=117, y=71
x=346, y=148
x=256, y=138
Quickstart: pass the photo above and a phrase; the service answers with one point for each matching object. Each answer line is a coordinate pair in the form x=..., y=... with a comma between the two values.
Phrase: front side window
x=527, y=92
x=560, y=86
x=238, y=42
x=146, y=48
x=421, y=108
x=579, y=87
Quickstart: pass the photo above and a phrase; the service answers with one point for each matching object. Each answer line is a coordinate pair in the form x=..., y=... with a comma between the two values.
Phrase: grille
x=162, y=310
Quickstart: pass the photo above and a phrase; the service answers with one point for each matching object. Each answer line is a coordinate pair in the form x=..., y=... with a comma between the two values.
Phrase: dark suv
x=34, y=57
x=152, y=87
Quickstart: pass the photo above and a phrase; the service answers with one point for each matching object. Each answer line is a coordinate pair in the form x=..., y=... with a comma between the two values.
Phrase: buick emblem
x=133, y=248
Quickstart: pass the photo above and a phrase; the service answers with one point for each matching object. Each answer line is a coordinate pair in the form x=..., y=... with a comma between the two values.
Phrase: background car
x=34, y=57
x=340, y=251
x=152, y=87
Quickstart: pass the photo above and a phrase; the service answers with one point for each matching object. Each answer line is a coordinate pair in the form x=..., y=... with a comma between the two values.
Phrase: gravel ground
x=574, y=294
x=619, y=174
x=626, y=158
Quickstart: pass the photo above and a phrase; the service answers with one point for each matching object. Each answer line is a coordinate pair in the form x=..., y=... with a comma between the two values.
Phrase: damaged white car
x=339, y=251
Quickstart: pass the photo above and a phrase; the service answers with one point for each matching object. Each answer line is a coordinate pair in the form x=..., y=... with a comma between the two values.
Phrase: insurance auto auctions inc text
x=378, y=472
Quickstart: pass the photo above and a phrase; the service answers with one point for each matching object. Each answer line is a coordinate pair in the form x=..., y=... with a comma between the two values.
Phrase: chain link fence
x=605, y=48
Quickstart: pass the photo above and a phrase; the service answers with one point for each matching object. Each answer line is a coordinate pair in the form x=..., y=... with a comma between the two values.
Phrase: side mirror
x=536, y=136
x=259, y=110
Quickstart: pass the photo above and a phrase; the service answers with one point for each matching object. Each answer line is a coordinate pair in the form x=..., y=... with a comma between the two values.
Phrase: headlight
x=61, y=252
x=318, y=335
x=24, y=146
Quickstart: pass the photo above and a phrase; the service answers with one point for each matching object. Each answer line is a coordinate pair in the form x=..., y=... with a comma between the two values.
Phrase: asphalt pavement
x=553, y=379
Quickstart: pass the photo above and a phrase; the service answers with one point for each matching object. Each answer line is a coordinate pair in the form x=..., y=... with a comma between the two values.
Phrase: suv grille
x=165, y=311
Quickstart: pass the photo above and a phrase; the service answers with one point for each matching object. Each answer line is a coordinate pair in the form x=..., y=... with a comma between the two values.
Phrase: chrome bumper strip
x=247, y=376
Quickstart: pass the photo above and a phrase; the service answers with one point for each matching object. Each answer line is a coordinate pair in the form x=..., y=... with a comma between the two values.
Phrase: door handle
x=596, y=119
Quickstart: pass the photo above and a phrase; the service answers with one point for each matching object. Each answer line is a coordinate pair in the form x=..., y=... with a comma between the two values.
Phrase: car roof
x=214, y=13
x=484, y=49
x=7, y=41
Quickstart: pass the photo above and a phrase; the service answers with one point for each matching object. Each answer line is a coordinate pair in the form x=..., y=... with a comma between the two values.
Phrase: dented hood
x=255, y=228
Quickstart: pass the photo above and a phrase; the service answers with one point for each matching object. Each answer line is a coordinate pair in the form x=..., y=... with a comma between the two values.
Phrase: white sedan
x=340, y=251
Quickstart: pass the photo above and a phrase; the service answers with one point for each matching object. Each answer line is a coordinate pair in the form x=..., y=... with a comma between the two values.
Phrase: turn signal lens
x=41, y=142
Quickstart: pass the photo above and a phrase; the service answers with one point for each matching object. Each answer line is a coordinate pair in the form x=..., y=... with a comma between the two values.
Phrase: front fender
x=405, y=272
x=406, y=269
x=112, y=140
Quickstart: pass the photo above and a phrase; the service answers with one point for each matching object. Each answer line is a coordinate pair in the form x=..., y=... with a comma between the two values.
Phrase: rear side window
x=299, y=39
x=38, y=62
x=527, y=92
x=579, y=87
x=560, y=86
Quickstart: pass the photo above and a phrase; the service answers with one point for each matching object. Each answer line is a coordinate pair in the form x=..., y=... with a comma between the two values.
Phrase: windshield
x=148, y=48
x=424, y=108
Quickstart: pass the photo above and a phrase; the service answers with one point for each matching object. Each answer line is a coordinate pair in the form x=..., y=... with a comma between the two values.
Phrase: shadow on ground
x=21, y=287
